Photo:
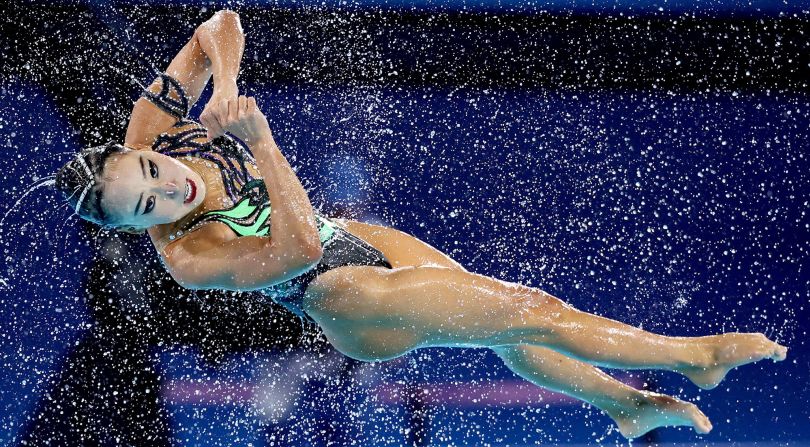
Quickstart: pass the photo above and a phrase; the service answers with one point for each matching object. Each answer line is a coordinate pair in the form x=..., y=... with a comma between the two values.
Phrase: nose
x=169, y=189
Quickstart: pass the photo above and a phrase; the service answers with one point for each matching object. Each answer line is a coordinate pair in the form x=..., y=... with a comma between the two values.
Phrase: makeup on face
x=146, y=188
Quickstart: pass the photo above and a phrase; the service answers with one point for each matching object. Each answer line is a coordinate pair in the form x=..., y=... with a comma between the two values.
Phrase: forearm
x=223, y=41
x=292, y=218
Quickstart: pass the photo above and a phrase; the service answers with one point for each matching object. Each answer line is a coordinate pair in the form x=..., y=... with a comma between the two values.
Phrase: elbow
x=231, y=18
x=308, y=246
x=227, y=18
x=228, y=13
x=185, y=282
x=186, y=275
x=313, y=253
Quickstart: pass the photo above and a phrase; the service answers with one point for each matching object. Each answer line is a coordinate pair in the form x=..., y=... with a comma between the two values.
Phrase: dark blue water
x=682, y=213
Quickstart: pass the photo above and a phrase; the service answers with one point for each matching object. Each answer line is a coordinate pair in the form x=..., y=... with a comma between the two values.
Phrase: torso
x=236, y=202
x=401, y=249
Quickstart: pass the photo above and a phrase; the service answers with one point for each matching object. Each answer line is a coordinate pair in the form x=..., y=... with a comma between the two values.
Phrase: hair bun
x=76, y=179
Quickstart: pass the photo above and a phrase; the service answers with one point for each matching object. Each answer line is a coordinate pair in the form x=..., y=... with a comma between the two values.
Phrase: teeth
x=188, y=190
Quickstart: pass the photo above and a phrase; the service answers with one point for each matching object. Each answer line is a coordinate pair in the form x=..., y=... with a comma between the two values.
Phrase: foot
x=655, y=410
x=728, y=351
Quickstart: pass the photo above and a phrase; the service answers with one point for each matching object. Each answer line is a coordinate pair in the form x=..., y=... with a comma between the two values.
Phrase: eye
x=150, y=205
x=153, y=169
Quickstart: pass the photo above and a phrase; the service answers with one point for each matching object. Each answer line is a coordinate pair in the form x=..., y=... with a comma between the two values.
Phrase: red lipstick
x=193, y=193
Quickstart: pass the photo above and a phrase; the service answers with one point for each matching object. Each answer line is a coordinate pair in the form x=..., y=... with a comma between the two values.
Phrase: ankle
x=698, y=353
x=625, y=406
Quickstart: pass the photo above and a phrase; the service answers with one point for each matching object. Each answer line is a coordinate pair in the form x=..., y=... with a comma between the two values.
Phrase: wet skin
x=420, y=271
x=145, y=188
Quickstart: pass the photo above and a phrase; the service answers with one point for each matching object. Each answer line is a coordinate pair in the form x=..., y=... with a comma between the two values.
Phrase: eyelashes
x=150, y=202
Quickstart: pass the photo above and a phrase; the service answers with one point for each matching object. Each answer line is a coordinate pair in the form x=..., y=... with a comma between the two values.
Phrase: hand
x=209, y=118
x=242, y=118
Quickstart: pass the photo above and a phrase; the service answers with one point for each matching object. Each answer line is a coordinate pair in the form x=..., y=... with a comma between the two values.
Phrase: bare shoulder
x=188, y=131
x=204, y=238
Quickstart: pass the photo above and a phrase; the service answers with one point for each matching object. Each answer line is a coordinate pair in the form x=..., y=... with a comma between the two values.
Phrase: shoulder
x=174, y=247
x=194, y=259
x=184, y=132
x=161, y=105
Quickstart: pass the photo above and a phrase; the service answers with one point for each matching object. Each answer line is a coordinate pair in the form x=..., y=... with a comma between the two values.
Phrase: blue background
x=682, y=211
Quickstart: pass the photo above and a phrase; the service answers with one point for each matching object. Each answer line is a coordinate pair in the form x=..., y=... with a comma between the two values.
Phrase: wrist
x=265, y=141
x=225, y=84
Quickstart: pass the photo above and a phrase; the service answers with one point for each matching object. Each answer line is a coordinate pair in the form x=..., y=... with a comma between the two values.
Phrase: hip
x=342, y=249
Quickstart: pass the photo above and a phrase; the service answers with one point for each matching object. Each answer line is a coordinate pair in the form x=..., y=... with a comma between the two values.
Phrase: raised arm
x=206, y=259
x=215, y=49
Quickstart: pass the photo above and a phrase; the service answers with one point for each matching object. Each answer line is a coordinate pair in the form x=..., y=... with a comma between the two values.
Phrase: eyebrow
x=143, y=172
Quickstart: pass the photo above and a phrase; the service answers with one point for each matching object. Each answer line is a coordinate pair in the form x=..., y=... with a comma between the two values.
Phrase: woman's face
x=145, y=188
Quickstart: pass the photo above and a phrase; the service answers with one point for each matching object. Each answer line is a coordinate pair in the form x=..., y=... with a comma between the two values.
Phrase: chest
x=235, y=191
x=237, y=202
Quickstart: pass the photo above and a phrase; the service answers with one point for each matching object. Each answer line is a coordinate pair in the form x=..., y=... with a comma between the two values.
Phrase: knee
x=554, y=308
x=514, y=357
x=546, y=313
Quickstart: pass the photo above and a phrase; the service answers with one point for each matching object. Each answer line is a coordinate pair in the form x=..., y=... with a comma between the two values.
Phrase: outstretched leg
x=393, y=311
x=635, y=412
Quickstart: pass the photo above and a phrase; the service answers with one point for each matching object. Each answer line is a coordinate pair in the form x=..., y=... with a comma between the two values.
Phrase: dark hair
x=78, y=180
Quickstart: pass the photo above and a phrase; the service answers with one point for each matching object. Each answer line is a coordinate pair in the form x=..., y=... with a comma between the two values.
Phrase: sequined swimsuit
x=250, y=214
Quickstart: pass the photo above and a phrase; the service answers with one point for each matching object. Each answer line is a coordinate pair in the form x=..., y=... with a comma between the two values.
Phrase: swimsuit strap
x=170, y=89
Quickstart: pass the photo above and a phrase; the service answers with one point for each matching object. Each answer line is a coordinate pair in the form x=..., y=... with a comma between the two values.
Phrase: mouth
x=191, y=191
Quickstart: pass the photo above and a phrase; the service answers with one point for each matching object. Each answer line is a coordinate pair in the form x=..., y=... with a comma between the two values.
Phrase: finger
x=233, y=110
x=205, y=120
x=222, y=114
x=252, y=103
x=214, y=131
x=243, y=105
x=214, y=127
x=207, y=114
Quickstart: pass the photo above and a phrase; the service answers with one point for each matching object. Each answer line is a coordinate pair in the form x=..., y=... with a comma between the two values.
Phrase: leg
x=437, y=306
x=635, y=412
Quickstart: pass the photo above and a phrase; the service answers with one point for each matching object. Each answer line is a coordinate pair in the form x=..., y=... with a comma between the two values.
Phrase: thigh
x=348, y=305
x=400, y=248
x=423, y=306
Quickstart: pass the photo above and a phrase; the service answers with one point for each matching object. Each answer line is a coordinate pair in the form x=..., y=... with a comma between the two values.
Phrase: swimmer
x=223, y=217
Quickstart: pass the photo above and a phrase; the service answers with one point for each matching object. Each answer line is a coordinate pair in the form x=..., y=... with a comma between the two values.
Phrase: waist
x=342, y=249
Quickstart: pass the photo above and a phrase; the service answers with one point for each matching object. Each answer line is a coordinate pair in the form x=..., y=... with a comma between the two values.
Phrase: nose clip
x=172, y=189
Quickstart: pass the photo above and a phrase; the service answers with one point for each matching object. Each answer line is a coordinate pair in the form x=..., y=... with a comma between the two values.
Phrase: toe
x=703, y=425
x=780, y=353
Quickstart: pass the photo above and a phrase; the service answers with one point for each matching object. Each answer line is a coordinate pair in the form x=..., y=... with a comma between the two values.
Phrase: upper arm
x=192, y=70
x=210, y=258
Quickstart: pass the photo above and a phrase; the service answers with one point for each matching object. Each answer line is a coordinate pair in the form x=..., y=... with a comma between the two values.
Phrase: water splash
x=132, y=78
x=47, y=181
x=65, y=240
